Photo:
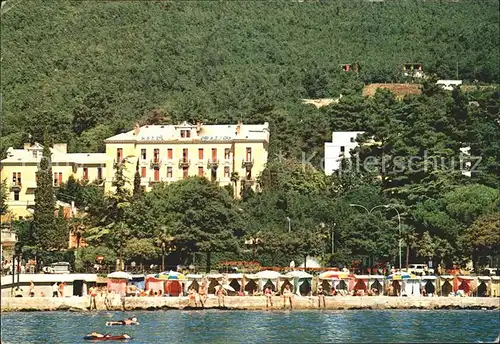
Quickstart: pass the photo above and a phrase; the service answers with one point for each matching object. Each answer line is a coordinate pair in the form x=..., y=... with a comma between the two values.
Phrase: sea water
x=220, y=326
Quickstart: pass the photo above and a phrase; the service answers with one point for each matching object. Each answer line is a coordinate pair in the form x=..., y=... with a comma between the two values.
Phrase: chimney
x=238, y=127
x=137, y=128
x=198, y=127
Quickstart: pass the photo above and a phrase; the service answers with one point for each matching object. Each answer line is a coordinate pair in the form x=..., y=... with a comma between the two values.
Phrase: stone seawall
x=248, y=303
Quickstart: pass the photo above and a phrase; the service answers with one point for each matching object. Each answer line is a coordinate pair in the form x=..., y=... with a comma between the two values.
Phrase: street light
x=289, y=224
x=387, y=206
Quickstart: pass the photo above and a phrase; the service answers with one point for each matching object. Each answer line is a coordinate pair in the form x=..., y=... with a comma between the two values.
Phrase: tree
x=44, y=220
x=483, y=237
x=141, y=249
x=3, y=197
x=77, y=228
x=137, y=182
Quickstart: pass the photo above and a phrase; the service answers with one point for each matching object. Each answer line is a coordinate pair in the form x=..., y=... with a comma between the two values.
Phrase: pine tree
x=137, y=182
x=44, y=221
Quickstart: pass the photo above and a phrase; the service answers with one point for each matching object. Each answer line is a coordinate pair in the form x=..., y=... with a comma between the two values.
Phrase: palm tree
x=234, y=178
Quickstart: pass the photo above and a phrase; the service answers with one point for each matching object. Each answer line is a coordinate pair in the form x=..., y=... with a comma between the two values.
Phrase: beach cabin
x=194, y=281
x=268, y=278
x=302, y=282
x=495, y=286
x=464, y=283
x=376, y=282
x=154, y=284
x=411, y=286
x=428, y=284
x=235, y=281
x=483, y=287
x=283, y=281
x=446, y=285
x=214, y=281
x=334, y=280
x=250, y=284
x=117, y=282
x=359, y=283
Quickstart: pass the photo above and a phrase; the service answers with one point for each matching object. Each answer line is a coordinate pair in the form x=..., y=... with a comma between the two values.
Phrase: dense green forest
x=87, y=70
x=84, y=71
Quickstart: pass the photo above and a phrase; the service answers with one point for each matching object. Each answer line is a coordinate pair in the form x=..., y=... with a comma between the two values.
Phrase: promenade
x=76, y=303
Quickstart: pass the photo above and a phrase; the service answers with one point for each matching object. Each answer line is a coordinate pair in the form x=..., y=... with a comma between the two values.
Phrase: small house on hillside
x=415, y=70
x=350, y=67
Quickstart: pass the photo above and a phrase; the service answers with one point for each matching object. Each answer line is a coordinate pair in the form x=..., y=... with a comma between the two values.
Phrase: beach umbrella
x=171, y=276
x=401, y=276
x=120, y=275
x=333, y=275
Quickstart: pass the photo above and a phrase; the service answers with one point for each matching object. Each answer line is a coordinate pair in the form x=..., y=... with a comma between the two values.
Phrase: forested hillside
x=87, y=70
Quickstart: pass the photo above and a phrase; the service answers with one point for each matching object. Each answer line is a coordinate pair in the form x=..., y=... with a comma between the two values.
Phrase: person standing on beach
x=93, y=294
x=55, y=290
x=192, y=295
x=321, y=296
x=269, y=297
x=287, y=294
x=61, y=289
x=203, y=294
x=32, y=289
x=221, y=292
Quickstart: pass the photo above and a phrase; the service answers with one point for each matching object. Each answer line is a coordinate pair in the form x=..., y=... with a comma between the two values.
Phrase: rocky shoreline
x=81, y=304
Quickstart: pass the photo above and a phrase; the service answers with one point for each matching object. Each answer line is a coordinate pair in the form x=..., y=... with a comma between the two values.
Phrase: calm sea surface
x=212, y=326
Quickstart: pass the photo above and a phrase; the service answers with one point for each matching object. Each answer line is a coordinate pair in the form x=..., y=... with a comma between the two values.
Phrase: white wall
x=333, y=150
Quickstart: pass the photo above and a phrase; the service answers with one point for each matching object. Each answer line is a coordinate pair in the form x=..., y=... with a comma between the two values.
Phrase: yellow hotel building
x=20, y=169
x=166, y=153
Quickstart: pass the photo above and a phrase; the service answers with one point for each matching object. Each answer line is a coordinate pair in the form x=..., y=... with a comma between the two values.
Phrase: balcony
x=154, y=181
x=183, y=163
x=212, y=163
x=8, y=237
x=16, y=186
x=247, y=164
x=155, y=163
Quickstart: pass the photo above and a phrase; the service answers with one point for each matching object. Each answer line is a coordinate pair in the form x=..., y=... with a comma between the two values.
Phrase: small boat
x=107, y=337
x=119, y=323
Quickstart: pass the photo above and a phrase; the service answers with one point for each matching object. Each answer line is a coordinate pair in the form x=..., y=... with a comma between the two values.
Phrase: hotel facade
x=227, y=154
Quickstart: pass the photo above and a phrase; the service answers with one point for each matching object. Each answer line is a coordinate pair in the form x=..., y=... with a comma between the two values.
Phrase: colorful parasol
x=400, y=276
x=333, y=275
x=171, y=276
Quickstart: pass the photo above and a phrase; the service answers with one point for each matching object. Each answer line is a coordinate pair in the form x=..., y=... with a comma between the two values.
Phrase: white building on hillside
x=341, y=145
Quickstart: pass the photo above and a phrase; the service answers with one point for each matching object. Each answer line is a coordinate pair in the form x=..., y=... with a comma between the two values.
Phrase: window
x=200, y=171
x=16, y=178
x=170, y=154
x=214, y=154
x=143, y=154
x=185, y=134
x=226, y=172
x=185, y=172
x=58, y=178
x=342, y=149
x=16, y=195
x=119, y=154
x=143, y=172
x=99, y=173
x=169, y=172
x=227, y=153
x=184, y=154
x=352, y=139
x=249, y=154
x=200, y=153
x=214, y=175
x=188, y=133
x=156, y=155
x=157, y=174
x=85, y=173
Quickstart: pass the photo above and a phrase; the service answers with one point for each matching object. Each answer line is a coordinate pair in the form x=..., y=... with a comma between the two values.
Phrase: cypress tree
x=3, y=197
x=44, y=220
x=137, y=182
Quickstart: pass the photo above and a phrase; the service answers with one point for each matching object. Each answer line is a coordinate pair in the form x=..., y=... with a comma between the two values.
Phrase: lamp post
x=387, y=206
x=163, y=256
x=333, y=238
x=289, y=224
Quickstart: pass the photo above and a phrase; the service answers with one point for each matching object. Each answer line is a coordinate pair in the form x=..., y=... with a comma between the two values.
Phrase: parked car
x=420, y=269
